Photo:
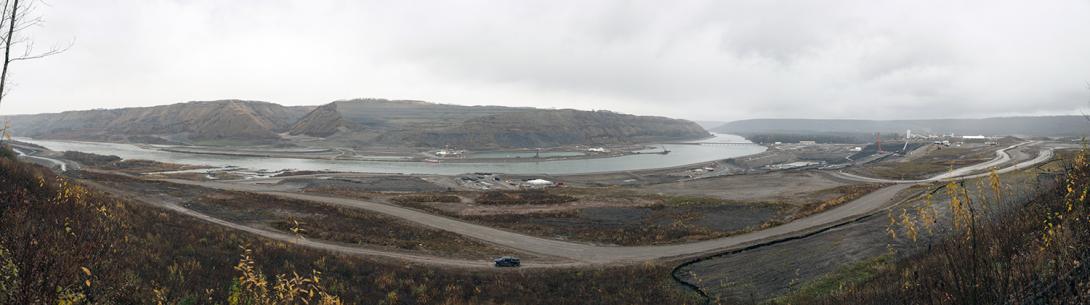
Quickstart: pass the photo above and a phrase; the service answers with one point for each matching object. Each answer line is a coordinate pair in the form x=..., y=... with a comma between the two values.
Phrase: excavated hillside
x=248, y=121
x=324, y=121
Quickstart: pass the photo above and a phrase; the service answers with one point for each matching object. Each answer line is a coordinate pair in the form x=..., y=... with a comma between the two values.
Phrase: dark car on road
x=508, y=261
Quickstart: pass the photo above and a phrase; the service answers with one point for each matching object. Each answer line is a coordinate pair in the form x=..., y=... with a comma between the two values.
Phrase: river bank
x=679, y=155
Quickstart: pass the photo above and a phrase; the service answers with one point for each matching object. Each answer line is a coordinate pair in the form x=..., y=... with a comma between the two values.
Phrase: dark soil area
x=312, y=220
x=638, y=225
x=620, y=216
x=338, y=224
x=614, y=215
x=736, y=217
x=367, y=184
x=522, y=197
x=426, y=198
x=756, y=275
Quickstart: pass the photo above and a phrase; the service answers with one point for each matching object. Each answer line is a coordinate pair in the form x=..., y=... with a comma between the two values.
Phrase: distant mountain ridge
x=545, y=128
x=360, y=122
x=422, y=124
x=1019, y=126
x=367, y=118
x=204, y=120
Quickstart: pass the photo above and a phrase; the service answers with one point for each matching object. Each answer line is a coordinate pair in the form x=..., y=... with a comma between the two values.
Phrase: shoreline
x=611, y=162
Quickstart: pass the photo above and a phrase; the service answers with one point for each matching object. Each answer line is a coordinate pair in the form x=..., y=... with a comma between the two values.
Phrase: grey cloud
x=696, y=59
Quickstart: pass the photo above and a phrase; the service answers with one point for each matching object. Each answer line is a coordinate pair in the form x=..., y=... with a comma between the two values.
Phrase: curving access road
x=1001, y=157
x=577, y=254
x=580, y=252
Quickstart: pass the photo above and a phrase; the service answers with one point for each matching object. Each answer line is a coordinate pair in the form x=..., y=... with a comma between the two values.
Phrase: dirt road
x=317, y=244
x=581, y=254
x=1002, y=156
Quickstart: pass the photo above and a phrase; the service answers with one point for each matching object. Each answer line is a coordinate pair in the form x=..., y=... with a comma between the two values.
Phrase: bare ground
x=630, y=216
x=312, y=220
x=757, y=275
x=929, y=162
x=782, y=186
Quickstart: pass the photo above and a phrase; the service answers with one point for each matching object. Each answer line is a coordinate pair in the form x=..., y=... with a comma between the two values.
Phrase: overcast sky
x=704, y=60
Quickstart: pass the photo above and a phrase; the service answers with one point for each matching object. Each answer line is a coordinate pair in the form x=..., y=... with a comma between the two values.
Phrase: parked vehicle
x=508, y=261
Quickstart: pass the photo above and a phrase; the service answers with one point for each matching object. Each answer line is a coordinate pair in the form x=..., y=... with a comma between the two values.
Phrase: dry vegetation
x=1035, y=253
x=64, y=244
x=305, y=218
x=840, y=195
x=522, y=197
x=340, y=224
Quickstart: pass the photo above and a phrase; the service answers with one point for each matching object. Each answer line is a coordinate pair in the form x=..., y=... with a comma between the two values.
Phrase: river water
x=679, y=155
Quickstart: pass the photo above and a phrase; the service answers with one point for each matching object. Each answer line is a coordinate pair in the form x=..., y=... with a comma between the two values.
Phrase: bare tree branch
x=17, y=16
x=7, y=46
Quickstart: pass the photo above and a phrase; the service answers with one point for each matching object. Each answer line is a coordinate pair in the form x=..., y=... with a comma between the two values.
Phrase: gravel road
x=579, y=253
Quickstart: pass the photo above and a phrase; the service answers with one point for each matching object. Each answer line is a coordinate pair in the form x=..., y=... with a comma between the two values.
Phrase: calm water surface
x=679, y=155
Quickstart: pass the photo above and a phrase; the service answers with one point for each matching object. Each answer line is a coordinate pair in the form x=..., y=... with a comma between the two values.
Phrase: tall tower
x=878, y=141
x=908, y=135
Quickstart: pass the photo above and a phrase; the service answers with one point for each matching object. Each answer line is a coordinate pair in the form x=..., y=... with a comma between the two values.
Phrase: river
x=680, y=154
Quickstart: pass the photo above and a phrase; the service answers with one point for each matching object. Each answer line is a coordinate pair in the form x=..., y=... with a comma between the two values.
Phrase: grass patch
x=847, y=276
x=843, y=194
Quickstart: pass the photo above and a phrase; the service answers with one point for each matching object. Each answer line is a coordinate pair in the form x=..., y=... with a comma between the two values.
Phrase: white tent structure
x=539, y=182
